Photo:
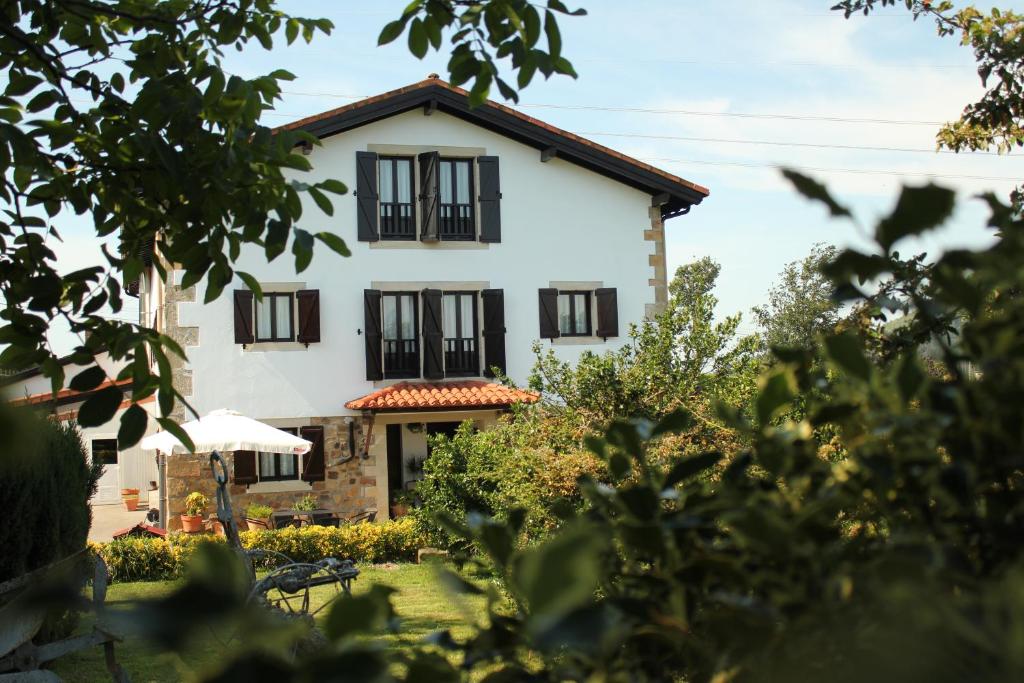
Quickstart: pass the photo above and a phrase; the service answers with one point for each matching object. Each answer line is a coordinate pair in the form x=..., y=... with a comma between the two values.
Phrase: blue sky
x=790, y=57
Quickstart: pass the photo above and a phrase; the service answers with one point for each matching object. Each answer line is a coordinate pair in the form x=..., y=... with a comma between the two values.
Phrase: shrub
x=257, y=511
x=307, y=503
x=45, y=485
x=195, y=504
x=157, y=559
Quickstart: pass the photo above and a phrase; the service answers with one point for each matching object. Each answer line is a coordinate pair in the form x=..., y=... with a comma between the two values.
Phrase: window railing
x=457, y=222
x=460, y=356
x=401, y=358
x=397, y=221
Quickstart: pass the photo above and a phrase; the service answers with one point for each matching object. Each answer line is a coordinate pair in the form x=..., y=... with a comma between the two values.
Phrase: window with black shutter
x=372, y=334
x=548, y=309
x=494, y=331
x=607, y=312
x=574, y=314
x=278, y=466
x=366, y=197
x=461, y=353
x=429, y=196
x=490, y=199
x=397, y=215
x=401, y=341
x=455, y=187
x=243, y=316
x=314, y=465
x=244, y=467
x=433, y=335
x=308, y=303
x=275, y=315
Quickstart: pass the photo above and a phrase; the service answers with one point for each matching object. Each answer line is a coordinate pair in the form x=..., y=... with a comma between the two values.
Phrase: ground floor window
x=104, y=451
x=279, y=466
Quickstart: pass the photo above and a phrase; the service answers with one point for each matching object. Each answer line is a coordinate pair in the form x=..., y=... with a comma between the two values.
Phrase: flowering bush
x=157, y=559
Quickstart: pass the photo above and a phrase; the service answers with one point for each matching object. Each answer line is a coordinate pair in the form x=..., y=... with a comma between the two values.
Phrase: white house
x=129, y=468
x=474, y=233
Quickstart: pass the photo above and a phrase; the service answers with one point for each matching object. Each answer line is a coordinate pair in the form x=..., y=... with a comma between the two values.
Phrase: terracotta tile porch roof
x=471, y=394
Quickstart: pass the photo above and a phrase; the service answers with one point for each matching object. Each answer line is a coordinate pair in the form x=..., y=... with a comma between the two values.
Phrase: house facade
x=475, y=234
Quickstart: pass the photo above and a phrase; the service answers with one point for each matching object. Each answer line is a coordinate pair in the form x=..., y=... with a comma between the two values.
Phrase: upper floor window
x=274, y=316
x=397, y=215
x=574, y=314
x=400, y=339
x=461, y=356
x=455, y=178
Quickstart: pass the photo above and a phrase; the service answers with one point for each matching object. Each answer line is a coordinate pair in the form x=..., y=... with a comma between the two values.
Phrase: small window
x=461, y=357
x=104, y=451
x=401, y=343
x=574, y=314
x=279, y=466
x=455, y=178
x=397, y=219
x=274, y=315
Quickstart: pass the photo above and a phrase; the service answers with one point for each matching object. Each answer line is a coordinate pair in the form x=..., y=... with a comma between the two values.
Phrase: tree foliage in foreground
x=122, y=111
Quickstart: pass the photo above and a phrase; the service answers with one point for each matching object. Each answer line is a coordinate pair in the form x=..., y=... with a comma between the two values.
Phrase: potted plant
x=192, y=518
x=256, y=516
x=401, y=501
x=130, y=498
x=307, y=503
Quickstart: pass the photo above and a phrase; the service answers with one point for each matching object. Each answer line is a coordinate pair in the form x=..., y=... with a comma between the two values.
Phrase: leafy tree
x=996, y=121
x=800, y=305
x=122, y=111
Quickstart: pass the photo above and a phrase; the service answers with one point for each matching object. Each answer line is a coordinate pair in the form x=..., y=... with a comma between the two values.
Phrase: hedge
x=156, y=559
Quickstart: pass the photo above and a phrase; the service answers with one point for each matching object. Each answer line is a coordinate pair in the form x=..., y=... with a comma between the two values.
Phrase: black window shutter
x=494, y=331
x=309, y=315
x=430, y=197
x=243, y=316
x=433, y=335
x=245, y=467
x=490, y=199
x=607, y=312
x=367, y=213
x=548, y=313
x=372, y=333
x=313, y=465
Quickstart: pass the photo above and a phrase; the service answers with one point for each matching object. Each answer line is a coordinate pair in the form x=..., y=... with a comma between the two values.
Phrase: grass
x=423, y=606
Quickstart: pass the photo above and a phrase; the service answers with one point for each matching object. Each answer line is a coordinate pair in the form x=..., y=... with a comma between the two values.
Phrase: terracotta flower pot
x=131, y=504
x=256, y=524
x=191, y=523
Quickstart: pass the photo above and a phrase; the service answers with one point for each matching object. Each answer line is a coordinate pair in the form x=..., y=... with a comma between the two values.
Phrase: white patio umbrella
x=227, y=430
x=221, y=430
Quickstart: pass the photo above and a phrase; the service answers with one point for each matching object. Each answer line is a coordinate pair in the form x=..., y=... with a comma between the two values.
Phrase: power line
x=683, y=112
x=780, y=143
x=813, y=169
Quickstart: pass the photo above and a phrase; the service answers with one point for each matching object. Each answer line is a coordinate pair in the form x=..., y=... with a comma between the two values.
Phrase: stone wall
x=348, y=487
x=659, y=268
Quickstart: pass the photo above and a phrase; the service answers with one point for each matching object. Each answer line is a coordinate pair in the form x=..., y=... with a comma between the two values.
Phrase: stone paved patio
x=106, y=519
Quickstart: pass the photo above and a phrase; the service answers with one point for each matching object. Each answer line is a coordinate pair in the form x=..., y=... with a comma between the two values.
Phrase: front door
x=105, y=451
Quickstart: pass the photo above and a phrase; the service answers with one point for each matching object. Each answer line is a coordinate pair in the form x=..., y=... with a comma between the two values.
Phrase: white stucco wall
x=559, y=223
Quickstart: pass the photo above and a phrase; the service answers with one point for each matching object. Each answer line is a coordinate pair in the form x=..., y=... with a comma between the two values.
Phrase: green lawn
x=423, y=605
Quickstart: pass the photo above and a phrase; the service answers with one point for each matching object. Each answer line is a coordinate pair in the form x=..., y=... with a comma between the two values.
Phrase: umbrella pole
x=161, y=475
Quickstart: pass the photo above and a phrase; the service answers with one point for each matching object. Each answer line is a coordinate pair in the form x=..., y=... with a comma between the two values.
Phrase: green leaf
x=775, y=393
x=418, y=41
x=177, y=432
x=562, y=573
x=334, y=242
x=302, y=248
x=918, y=210
x=910, y=377
x=690, y=466
x=133, y=426
x=321, y=200
x=333, y=186
x=88, y=379
x=675, y=422
x=252, y=283
x=100, y=408
x=370, y=612
x=846, y=351
x=812, y=189
x=391, y=31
